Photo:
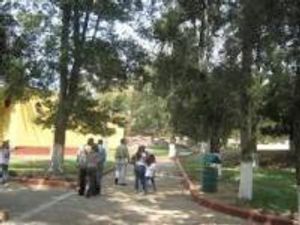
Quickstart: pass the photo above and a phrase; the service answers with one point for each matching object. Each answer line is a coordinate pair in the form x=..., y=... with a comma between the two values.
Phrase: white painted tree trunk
x=246, y=181
x=298, y=204
x=219, y=166
x=56, y=159
x=172, y=150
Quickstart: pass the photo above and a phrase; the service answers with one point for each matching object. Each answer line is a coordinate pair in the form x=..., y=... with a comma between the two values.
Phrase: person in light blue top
x=102, y=155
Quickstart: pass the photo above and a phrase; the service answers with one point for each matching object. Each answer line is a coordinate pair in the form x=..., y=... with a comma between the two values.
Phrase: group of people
x=4, y=161
x=144, y=165
x=91, y=159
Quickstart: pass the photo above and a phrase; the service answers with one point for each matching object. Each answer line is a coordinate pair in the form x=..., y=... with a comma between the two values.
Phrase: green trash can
x=209, y=179
x=209, y=174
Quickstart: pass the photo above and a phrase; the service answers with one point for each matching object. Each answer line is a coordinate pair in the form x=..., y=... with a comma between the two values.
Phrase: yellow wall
x=4, y=122
x=22, y=131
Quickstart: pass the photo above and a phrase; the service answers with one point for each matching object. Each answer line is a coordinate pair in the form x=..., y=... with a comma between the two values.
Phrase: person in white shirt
x=150, y=171
x=172, y=148
x=4, y=160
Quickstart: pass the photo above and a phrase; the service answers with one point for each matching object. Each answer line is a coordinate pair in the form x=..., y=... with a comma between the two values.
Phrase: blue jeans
x=99, y=178
x=140, y=177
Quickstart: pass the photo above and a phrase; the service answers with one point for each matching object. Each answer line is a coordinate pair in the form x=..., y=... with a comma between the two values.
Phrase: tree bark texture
x=247, y=38
x=60, y=126
x=69, y=80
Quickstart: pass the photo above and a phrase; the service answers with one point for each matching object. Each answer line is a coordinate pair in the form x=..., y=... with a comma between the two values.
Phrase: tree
x=77, y=57
x=13, y=69
x=186, y=73
x=283, y=97
x=75, y=46
x=149, y=112
x=246, y=48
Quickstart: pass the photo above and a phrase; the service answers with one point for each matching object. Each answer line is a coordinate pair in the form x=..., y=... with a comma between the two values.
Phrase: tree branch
x=64, y=49
x=86, y=20
x=74, y=77
x=96, y=28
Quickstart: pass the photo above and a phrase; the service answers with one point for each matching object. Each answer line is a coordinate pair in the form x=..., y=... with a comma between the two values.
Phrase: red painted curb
x=51, y=183
x=231, y=210
x=41, y=151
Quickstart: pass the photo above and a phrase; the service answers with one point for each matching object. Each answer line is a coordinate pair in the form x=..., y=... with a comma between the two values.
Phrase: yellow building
x=17, y=125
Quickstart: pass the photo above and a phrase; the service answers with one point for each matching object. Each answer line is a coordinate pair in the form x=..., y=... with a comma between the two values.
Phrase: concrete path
x=118, y=205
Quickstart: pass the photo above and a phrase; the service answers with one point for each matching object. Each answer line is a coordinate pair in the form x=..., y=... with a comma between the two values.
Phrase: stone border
x=231, y=210
x=51, y=183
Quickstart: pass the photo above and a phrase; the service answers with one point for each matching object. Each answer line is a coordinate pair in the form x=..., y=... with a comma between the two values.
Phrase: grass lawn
x=159, y=150
x=163, y=150
x=274, y=190
x=38, y=167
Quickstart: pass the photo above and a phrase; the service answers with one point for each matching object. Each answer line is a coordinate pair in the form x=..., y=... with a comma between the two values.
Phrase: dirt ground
x=118, y=205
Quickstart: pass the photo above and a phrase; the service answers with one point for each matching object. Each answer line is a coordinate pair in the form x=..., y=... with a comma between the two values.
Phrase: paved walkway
x=118, y=205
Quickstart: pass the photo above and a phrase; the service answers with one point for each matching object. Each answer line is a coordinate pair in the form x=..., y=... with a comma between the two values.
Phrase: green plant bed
x=39, y=167
x=274, y=190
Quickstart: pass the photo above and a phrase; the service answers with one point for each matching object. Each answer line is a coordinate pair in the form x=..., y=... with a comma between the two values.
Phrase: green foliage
x=30, y=21
x=149, y=112
x=81, y=56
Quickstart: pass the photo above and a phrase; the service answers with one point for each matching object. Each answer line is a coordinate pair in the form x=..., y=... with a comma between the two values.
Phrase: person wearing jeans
x=102, y=160
x=140, y=169
x=150, y=171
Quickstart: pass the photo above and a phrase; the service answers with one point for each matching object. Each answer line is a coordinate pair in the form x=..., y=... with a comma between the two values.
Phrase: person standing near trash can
x=122, y=159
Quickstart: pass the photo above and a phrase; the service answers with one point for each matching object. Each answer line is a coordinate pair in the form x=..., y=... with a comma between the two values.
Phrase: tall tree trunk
x=3, y=49
x=296, y=133
x=203, y=37
x=57, y=153
x=69, y=81
x=246, y=178
x=247, y=39
x=215, y=139
x=61, y=119
x=254, y=141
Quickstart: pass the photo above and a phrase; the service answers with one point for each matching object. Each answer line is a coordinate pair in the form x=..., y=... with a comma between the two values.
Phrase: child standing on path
x=150, y=171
